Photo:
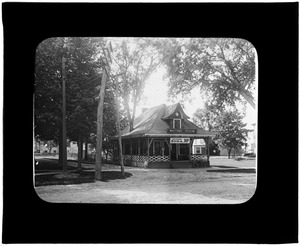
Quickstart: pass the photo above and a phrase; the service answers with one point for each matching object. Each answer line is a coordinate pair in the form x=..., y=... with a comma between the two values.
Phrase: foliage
x=48, y=89
x=206, y=118
x=230, y=130
x=133, y=62
x=224, y=68
x=82, y=88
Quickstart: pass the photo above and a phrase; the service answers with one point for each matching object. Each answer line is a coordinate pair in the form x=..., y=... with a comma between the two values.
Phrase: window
x=198, y=150
x=166, y=149
x=177, y=114
x=177, y=123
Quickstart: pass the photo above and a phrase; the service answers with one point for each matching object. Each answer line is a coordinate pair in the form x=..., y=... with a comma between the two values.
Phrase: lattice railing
x=139, y=158
x=198, y=158
x=158, y=158
x=142, y=158
x=135, y=157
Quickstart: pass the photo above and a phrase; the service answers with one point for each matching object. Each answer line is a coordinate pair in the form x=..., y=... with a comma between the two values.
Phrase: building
x=162, y=136
x=251, y=141
x=51, y=148
x=199, y=146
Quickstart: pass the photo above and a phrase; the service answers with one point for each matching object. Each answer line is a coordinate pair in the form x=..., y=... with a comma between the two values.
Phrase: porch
x=170, y=152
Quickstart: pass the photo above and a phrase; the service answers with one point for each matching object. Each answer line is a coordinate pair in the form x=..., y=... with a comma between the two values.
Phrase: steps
x=159, y=165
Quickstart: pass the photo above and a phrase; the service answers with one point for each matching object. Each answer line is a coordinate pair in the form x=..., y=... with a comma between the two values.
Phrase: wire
x=90, y=82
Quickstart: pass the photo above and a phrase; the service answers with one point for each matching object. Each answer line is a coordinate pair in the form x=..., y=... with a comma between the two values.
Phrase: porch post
x=170, y=149
x=139, y=147
x=191, y=148
x=130, y=141
x=148, y=147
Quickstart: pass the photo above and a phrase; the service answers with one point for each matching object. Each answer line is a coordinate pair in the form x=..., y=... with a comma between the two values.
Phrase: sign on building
x=179, y=140
x=191, y=131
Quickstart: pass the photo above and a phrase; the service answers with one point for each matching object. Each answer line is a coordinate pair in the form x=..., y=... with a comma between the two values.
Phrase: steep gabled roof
x=170, y=111
x=144, y=122
x=153, y=123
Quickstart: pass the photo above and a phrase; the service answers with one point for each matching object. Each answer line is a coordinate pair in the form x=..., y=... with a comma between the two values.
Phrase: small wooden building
x=162, y=136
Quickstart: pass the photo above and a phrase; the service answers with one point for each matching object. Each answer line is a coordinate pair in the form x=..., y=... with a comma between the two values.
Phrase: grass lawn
x=49, y=172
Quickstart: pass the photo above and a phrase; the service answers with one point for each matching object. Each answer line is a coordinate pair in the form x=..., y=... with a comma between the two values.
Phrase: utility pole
x=119, y=133
x=98, y=161
x=64, y=131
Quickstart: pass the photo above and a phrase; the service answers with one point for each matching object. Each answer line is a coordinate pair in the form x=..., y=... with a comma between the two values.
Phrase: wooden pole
x=98, y=161
x=64, y=131
x=120, y=139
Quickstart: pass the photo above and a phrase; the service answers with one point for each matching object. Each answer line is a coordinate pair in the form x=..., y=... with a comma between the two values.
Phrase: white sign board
x=179, y=140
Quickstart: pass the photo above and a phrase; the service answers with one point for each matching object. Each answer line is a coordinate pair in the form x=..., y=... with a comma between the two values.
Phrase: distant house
x=42, y=147
x=199, y=146
x=251, y=142
x=163, y=136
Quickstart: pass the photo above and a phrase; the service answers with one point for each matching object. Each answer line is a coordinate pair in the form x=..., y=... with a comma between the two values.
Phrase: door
x=180, y=152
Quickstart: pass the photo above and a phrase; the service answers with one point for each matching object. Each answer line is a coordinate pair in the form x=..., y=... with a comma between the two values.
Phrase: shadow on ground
x=77, y=178
x=113, y=175
x=223, y=166
x=234, y=170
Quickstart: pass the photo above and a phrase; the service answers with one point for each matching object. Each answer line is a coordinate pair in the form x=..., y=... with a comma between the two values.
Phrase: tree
x=230, y=131
x=82, y=60
x=135, y=60
x=205, y=117
x=222, y=67
x=48, y=95
x=50, y=144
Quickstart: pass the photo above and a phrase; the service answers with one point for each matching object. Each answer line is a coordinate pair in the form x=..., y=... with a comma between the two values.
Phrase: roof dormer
x=174, y=111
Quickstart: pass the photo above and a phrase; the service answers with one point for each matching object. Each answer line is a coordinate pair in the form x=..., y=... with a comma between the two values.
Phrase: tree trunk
x=228, y=151
x=79, y=155
x=60, y=151
x=120, y=139
x=86, y=151
x=98, y=161
x=106, y=155
x=129, y=115
x=133, y=113
x=248, y=98
x=64, y=126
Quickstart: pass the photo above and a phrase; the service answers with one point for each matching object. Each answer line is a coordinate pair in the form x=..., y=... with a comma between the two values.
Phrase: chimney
x=144, y=109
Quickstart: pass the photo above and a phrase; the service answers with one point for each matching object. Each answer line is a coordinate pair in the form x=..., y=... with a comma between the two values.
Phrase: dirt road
x=164, y=186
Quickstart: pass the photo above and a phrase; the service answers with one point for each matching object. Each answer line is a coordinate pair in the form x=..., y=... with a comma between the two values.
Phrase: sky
x=155, y=93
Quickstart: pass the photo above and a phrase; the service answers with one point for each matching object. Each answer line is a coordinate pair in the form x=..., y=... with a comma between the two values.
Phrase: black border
x=271, y=216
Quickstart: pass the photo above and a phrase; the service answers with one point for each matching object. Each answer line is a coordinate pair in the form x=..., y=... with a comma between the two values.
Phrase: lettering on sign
x=180, y=140
x=182, y=130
